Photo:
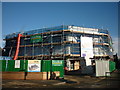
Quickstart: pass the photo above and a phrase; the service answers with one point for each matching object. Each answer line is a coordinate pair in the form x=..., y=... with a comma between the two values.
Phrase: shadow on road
x=67, y=81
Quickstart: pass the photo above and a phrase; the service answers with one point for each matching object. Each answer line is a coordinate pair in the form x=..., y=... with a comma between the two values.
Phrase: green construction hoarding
x=36, y=38
x=112, y=66
x=32, y=66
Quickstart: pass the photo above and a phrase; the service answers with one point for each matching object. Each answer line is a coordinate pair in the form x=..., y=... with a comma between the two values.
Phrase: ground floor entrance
x=73, y=64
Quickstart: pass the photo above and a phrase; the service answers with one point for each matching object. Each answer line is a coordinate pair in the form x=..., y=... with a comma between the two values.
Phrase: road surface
x=69, y=81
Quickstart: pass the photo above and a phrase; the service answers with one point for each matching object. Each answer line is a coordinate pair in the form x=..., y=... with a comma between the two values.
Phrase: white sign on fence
x=17, y=63
x=34, y=65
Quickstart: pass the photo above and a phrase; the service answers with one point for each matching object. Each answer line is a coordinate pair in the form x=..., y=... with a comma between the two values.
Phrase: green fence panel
x=111, y=66
x=2, y=65
x=26, y=65
x=58, y=65
x=11, y=66
x=45, y=65
x=21, y=66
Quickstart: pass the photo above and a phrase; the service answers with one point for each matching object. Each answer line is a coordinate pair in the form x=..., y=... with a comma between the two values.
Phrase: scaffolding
x=62, y=43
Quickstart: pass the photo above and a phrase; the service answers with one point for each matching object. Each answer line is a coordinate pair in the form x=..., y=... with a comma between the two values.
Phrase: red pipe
x=17, y=48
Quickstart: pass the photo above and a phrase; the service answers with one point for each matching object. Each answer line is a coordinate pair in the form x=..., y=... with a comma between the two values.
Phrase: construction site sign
x=56, y=63
x=34, y=65
x=36, y=38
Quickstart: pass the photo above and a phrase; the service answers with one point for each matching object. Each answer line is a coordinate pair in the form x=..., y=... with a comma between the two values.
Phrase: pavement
x=69, y=81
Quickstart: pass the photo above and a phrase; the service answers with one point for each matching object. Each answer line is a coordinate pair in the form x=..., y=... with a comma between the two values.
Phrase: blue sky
x=27, y=16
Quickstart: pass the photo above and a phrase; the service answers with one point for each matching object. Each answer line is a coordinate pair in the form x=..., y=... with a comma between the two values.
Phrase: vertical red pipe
x=17, y=48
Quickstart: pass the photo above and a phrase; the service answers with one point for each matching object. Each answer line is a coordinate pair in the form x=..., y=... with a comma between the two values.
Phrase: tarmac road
x=69, y=81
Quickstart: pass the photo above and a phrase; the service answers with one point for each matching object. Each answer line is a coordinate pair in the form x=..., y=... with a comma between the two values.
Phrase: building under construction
x=66, y=42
